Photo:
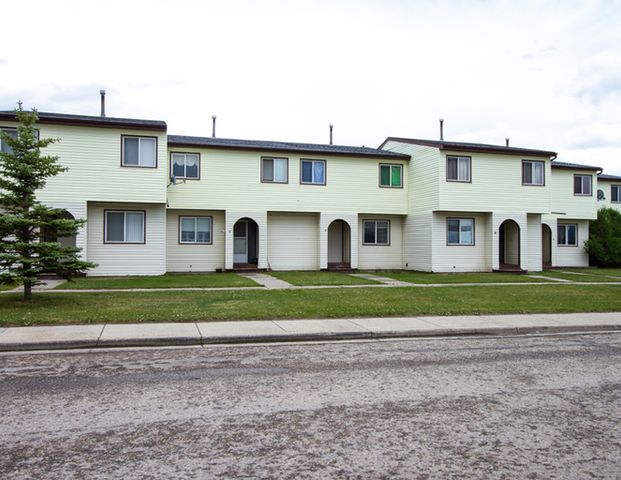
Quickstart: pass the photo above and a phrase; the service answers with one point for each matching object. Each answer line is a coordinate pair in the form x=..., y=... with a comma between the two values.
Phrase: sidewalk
x=203, y=333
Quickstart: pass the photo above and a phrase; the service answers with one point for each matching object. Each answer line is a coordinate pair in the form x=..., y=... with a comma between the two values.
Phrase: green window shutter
x=396, y=176
x=385, y=175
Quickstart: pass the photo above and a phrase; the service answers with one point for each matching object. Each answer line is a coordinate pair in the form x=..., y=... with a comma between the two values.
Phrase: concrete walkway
x=203, y=333
x=384, y=280
x=266, y=280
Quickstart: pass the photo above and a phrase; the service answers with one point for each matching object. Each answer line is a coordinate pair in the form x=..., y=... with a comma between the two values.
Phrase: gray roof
x=605, y=176
x=270, y=146
x=574, y=166
x=91, y=120
x=471, y=147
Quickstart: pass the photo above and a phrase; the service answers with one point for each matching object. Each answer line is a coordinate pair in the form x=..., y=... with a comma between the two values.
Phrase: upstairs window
x=185, y=165
x=313, y=172
x=124, y=226
x=4, y=148
x=195, y=230
x=376, y=232
x=615, y=193
x=391, y=176
x=567, y=235
x=275, y=170
x=583, y=184
x=533, y=172
x=139, y=151
x=460, y=231
x=458, y=169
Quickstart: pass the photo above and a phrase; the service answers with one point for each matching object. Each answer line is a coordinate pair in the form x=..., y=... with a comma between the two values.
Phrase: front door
x=240, y=242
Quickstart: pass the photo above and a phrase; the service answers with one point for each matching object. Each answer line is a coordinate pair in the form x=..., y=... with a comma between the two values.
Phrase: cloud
x=3, y=61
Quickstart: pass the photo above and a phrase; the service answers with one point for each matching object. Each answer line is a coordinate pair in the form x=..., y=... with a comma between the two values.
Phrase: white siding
x=606, y=186
x=564, y=202
x=293, y=241
x=568, y=256
x=381, y=256
x=120, y=259
x=462, y=258
x=534, y=260
x=194, y=258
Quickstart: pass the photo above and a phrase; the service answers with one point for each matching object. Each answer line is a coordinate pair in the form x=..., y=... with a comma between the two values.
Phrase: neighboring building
x=158, y=203
x=609, y=191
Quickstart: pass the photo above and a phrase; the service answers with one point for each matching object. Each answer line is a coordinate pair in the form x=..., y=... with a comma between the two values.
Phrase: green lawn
x=72, y=308
x=427, y=278
x=616, y=272
x=320, y=278
x=6, y=287
x=579, y=278
x=206, y=280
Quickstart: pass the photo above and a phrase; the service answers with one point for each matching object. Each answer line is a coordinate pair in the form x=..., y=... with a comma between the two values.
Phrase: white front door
x=240, y=242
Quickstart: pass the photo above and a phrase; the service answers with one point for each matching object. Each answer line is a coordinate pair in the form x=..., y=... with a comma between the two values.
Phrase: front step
x=339, y=267
x=246, y=267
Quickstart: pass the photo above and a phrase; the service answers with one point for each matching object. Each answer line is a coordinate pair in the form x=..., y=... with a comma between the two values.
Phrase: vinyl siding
x=564, y=202
x=293, y=241
x=121, y=259
x=381, y=256
x=567, y=256
x=534, y=255
x=194, y=258
x=606, y=185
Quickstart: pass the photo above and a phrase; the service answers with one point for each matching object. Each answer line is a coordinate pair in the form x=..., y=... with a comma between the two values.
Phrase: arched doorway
x=245, y=243
x=51, y=235
x=339, y=245
x=509, y=245
x=546, y=240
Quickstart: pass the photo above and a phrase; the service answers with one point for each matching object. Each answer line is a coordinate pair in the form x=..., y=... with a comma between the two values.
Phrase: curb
x=303, y=337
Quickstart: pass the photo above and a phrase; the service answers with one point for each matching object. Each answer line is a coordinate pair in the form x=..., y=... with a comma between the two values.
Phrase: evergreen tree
x=604, y=243
x=29, y=230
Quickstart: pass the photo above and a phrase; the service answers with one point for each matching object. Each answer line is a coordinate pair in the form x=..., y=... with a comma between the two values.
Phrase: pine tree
x=26, y=223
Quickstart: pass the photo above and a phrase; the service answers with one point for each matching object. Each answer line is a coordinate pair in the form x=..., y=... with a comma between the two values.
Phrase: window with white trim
x=124, y=226
x=4, y=147
x=458, y=169
x=583, y=185
x=195, y=230
x=567, y=235
x=533, y=172
x=376, y=232
x=138, y=151
x=460, y=231
x=615, y=193
x=313, y=172
x=274, y=170
x=391, y=175
x=185, y=165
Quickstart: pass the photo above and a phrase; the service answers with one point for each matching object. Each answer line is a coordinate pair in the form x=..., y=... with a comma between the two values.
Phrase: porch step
x=246, y=267
x=340, y=267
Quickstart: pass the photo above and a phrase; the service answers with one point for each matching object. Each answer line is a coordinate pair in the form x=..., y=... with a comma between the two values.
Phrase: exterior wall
x=325, y=219
x=230, y=218
x=606, y=185
x=496, y=185
x=127, y=259
x=569, y=256
x=521, y=220
x=293, y=241
x=534, y=253
x=352, y=185
x=564, y=202
x=78, y=210
x=381, y=256
x=461, y=258
x=194, y=258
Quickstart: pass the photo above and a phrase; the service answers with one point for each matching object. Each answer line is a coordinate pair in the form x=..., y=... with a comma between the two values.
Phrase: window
x=582, y=185
x=460, y=231
x=124, y=226
x=458, y=169
x=139, y=151
x=376, y=232
x=391, y=176
x=275, y=170
x=185, y=165
x=567, y=235
x=195, y=230
x=615, y=193
x=313, y=172
x=4, y=148
x=533, y=172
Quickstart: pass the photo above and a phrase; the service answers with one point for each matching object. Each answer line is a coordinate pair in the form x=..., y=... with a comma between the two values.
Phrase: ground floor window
x=460, y=231
x=124, y=226
x=567, y=235
x=376, y=232
x=195, y=230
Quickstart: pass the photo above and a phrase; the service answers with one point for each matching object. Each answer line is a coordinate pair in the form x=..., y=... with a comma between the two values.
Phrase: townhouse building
x=609, y=191
x=157, y=203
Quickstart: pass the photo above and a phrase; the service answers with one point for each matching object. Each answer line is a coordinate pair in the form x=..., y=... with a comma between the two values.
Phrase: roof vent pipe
x=442, y=129
x=507, y=141
x=331, y=127
x=213, y=126
x=102, y=93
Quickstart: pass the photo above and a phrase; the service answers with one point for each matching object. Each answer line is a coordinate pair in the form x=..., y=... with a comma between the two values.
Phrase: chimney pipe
x=213, y=126
x=103, y=102
x=331, y=127
x=507, y=141
x=441, y=129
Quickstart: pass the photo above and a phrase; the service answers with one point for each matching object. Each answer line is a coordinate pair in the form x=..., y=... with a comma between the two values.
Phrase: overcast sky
x=545, y=74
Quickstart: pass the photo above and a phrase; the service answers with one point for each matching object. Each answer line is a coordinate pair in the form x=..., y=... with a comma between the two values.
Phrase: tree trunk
x=27, y=292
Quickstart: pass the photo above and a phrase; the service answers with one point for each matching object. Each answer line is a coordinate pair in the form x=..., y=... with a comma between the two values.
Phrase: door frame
x=236, y=258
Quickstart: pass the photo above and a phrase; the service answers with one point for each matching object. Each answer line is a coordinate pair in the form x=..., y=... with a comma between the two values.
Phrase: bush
x=604, y=243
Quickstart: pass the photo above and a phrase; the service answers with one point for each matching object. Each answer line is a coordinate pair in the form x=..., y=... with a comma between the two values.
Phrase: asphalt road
x=524, y=407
